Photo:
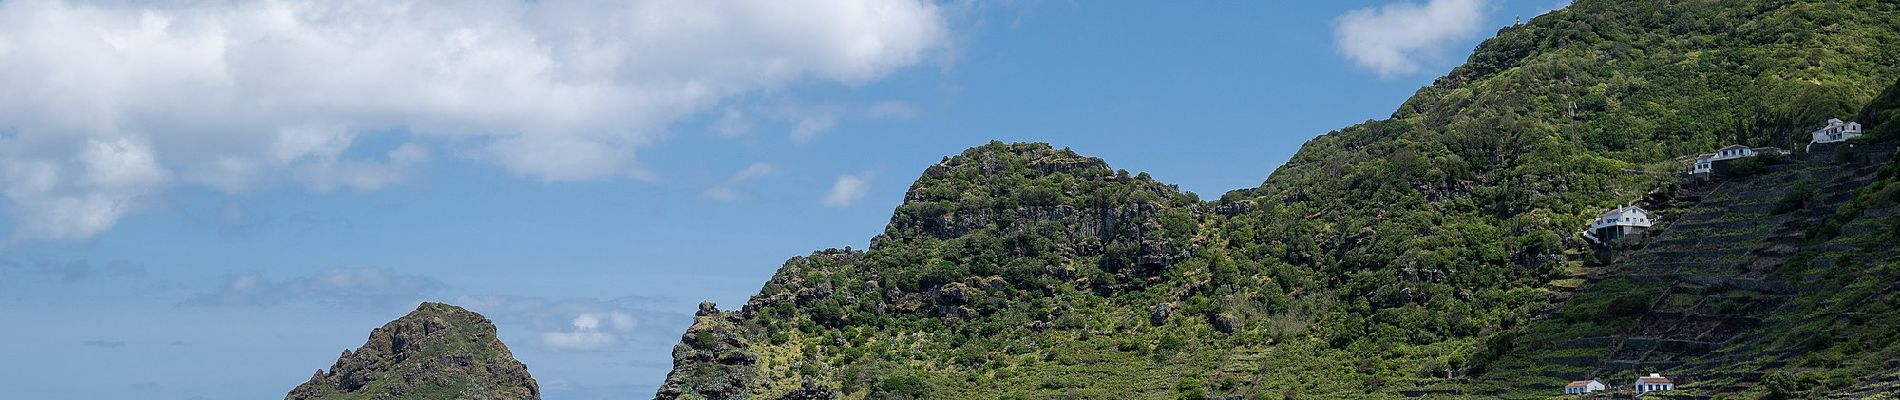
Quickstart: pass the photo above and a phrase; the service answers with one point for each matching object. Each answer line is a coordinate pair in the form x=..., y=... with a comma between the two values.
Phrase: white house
x=1581, y=387
x=1625, y=221
x=1653, y=382
x=1836, y=131
x=1703, y=164
x=1731, y=152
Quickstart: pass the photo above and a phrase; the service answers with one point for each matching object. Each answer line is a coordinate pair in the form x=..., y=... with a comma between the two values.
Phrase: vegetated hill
x=1384, y=259
x=439, y=351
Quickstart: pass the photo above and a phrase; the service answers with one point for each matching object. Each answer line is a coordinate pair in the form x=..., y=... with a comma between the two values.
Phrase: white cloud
x=83, y=196
x=729, y=189
x=848, y=189
x=587, y=324
x=330, y=174
x=806, y=119
x=366, y=288
x=809, y=126
x=590, y=332
x=112, y=102
x=1391, y=39
x=578, y=340
x=732, y=123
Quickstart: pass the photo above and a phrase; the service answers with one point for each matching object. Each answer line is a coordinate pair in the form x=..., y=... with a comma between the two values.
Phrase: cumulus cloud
x=1391, y=39
x=729, y=190
x=590, y=332
x=82, y=195
x=363, y=288
x=112, y=102
x=586, y=324
x=848, y=189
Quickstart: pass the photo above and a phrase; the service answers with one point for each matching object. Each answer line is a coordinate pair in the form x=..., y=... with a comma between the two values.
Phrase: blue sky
x=203, y=205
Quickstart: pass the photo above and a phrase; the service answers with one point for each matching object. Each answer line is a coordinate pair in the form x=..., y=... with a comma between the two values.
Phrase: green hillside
x=1431, y=252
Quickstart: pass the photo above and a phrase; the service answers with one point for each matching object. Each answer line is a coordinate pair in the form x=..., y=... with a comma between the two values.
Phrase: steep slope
x=1535, y=134
x=1383, y=260
x=438, y=351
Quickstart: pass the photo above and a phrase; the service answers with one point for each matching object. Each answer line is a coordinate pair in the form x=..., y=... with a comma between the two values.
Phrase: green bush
x=1796, y=197
x=902, y=385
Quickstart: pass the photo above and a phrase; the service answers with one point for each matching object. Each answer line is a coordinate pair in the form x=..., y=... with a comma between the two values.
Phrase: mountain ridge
x=1381, y=260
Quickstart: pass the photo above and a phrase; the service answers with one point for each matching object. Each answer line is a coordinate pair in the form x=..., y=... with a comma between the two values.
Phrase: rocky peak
x=998, y=159
x=712, y=361
x=437, y=351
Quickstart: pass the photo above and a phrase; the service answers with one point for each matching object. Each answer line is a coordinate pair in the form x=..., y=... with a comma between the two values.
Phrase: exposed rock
x=707, y=308
x=1037, y=326
x=954, y=293
x=811, y=391
x=712, y=361
x=994, y=283
x=1158, y=314
x=1060, y=272
x=1226, y=323
x=809, y=295
x=438, y=351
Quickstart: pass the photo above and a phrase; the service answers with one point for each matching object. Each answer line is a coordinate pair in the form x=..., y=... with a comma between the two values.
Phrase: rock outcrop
x=439, y=351
x=711, y=361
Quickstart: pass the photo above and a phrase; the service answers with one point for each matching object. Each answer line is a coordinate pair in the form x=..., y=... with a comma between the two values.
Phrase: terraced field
x=1701, y=299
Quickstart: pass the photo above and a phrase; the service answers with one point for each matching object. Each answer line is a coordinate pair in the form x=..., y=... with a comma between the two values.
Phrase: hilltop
x=439, y=351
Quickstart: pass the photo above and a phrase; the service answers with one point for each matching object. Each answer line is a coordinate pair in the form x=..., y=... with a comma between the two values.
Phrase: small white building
x=1836, y=131
x=1731, y=152
x=1623, y=222
x=1653, y=382
x=1704, y=164
x=1581, y=387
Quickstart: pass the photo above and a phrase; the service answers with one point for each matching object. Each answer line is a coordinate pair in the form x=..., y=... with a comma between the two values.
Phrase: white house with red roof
x=1581, y=387
x=1653, y=382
